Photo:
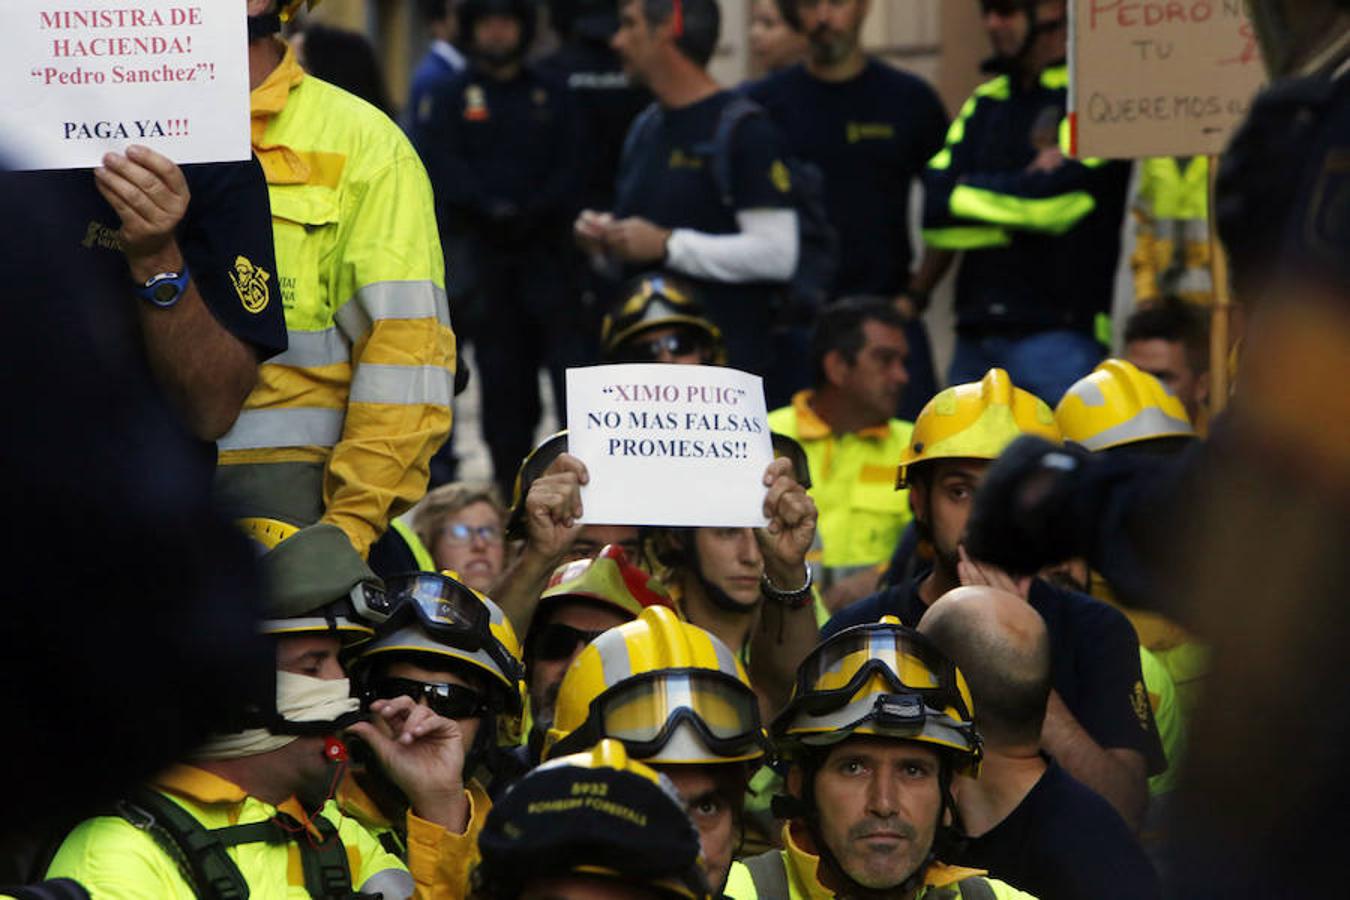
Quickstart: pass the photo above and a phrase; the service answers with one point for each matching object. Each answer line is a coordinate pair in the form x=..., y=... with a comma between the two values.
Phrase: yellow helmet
x=598, y=814
x=670, y=691
x=884, y=680
x=1118, y=404
x=975, y=421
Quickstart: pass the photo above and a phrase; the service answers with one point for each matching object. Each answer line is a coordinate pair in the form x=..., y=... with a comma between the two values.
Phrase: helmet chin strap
x=264, y=25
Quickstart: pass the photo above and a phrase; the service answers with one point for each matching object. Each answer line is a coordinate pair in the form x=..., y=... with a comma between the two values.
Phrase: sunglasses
x=676, y=344
x=460, y=533
x=453, y=701
x=556, y=641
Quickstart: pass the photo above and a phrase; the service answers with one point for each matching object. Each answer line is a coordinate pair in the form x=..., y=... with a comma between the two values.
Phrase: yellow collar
x=280, y=163
x=805, y=867
x=208, y=789
x=811, y=427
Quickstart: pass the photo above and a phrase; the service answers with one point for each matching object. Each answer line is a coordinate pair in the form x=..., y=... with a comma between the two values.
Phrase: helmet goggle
x=451, y=612
x=833, y=674
x=644, y=711
x=371, y=602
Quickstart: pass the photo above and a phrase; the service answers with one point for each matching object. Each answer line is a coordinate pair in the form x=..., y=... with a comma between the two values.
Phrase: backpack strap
x=56, y=889
x=733, y=114
x=768, y=871
x=199, y=855
x=328, y=873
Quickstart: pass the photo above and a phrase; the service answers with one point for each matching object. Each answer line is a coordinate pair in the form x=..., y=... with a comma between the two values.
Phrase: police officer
x=501, y=144
x=879, y=724
x=1040, y=233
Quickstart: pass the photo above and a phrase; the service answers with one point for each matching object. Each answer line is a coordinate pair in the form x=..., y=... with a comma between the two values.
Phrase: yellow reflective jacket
x=862, y=515
x=115, y=860
x=1171, y=212
x=462, y=848
x=342, y=426
x=803, y=881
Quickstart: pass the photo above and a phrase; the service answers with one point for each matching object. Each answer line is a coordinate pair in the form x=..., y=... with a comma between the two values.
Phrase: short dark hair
x=790, y=13
x=839, y=327
x=1175, y=321
x=433, y=10
x=702, y=24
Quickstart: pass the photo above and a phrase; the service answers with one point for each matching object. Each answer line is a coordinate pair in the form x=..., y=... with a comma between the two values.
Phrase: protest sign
x=1159, y=77
x=669, y=445
x=84, y=77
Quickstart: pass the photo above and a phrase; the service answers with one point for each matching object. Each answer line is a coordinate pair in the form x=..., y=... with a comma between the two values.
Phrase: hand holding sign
x=150, y=195
x=792, y=525
x=678, y=446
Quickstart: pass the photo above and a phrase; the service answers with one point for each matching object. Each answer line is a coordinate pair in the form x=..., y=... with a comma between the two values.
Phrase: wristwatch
x=790, y=599
x=165, y=289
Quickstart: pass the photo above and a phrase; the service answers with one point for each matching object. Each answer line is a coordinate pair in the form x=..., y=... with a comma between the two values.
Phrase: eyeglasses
x=453, y=701
x=557, y=641
x=459, y=533
x=677, y=343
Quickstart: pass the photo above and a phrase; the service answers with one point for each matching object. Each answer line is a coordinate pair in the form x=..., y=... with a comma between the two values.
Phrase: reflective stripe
x=295, y=427
x=311, y=349
x=965, y=238
x=425, y=385
x=1055, y=78
x=726, y=660
x=1066, y=143
x=393, y=300
x=994, y=90
x=1055, y=215
x=616, y=666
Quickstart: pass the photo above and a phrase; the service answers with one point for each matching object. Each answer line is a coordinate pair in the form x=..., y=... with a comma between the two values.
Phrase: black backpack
x=812, y=282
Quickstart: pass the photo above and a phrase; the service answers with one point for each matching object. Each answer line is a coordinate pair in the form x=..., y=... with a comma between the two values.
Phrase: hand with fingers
x=150, y=195
x=553, y=506
x=983, y=574
x=792, y=526
x=423, y=754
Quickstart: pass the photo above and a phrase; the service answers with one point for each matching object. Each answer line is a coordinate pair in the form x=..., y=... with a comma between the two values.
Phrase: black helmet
x=535, y=464
x=653, y=301
x=470, y=11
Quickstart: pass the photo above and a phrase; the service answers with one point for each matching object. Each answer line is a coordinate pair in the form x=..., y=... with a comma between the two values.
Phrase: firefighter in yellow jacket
x=340, y=428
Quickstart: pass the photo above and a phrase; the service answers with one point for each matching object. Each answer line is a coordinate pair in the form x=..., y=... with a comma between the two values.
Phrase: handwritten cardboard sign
x=670, y=445
x=83, y=77
x=1159, y=77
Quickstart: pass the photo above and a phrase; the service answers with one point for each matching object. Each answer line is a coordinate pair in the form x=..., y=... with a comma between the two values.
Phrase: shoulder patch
x=780, y=176
x=1139, y=700
x=250, y=283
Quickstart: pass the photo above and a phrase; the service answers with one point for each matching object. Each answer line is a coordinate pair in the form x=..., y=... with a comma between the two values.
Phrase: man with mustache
x=878, y=726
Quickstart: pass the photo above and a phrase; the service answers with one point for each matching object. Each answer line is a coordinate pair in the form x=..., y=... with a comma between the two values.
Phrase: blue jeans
x=1046, y=363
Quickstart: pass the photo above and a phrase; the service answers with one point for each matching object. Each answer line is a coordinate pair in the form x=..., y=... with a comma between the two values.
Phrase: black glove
x=1025, y=515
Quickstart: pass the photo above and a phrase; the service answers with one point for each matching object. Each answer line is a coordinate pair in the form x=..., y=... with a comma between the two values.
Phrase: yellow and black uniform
x=340, y=428
x=118, y=860
x=862, y=515
x=793, y=874
x=1171, y=212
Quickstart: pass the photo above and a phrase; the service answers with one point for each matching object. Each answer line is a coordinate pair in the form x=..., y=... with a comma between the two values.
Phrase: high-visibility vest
x=341, y=427
x=1171, y=210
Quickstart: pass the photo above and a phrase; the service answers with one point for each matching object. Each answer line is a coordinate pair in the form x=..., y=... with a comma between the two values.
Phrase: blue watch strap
x=165, y=289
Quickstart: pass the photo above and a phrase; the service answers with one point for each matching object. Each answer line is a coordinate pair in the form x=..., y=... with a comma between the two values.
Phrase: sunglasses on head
x=453, y=701
x=557, y=641
x=679, y=343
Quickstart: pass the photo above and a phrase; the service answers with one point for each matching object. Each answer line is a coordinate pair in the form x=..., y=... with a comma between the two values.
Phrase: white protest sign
x=1159, y=77
x=84, y=77
x=670, y=445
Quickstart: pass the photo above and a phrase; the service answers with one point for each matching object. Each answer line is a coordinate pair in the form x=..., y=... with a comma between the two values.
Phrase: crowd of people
x=985, y=645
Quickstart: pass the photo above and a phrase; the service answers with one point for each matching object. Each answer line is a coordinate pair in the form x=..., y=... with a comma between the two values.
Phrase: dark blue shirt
x=1094, y=660
x=490, y=145
x=1064, y=842
x=225, y=238
x=870, y=136
x=666, y=178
